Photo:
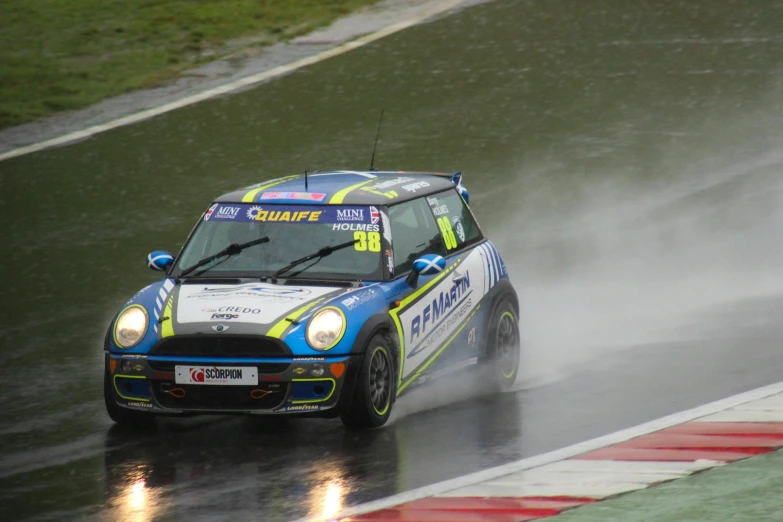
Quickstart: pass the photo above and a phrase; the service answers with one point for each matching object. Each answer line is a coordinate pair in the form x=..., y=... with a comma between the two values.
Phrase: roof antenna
x=372, y=161
x=305, y=180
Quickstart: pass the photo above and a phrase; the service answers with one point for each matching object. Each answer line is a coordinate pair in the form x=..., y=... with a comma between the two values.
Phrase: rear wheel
x=503, y=346
x=371, y=403
x=120, y=415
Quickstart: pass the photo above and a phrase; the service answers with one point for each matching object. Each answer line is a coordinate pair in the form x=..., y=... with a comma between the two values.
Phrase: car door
x=435, y=320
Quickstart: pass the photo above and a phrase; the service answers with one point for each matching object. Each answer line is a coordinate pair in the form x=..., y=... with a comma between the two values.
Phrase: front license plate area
x=216, y=375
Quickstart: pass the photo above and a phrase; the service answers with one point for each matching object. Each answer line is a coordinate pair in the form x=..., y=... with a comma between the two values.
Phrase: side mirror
x=428, y=264
x=159, y=260
x=456, y=178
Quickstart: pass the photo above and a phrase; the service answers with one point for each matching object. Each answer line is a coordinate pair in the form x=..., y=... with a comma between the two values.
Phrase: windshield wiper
x=325, y=251
x=231, y=250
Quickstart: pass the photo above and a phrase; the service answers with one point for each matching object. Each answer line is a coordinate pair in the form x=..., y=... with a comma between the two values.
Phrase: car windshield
x=294, y=231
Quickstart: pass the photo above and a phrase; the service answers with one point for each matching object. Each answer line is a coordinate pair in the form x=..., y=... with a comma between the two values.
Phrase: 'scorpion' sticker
x=216, y=375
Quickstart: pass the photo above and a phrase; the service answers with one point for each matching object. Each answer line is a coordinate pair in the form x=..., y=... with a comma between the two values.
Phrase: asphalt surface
x=625, y=158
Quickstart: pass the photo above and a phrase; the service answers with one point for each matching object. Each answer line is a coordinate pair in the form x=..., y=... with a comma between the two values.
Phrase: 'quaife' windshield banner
x=246, y=213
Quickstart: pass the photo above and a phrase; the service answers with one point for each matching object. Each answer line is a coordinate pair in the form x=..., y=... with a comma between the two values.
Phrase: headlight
x=131, y=326
x=325, y=329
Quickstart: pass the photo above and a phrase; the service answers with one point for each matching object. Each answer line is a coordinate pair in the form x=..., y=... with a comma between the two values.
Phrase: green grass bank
x=750, y=490
x=58, y=55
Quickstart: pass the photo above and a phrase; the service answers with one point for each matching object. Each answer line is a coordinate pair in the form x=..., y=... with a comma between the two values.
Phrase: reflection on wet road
x=626, y=159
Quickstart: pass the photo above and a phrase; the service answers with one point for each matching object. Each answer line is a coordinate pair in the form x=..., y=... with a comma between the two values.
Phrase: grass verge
x=58, y=55
x=746, y=490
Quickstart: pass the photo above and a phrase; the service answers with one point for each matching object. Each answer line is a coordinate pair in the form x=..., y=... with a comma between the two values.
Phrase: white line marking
x=537, y=476
x=442, y=488
x=545, y=490
x=615, y=466
x=769, y=404
x=745, y=416
x=233, y=86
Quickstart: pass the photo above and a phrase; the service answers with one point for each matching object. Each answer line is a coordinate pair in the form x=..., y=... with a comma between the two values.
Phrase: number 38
x=367, y=241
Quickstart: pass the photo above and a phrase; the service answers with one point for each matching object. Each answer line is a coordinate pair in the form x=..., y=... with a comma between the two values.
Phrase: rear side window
x=455, y=222
x=415, y=232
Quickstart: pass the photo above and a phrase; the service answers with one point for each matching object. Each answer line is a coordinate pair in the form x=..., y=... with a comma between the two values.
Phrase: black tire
x=376, y=383
x=503, y=346
x=124, y=416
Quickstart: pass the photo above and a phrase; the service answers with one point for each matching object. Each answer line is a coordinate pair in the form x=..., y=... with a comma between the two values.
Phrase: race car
x=328, y=294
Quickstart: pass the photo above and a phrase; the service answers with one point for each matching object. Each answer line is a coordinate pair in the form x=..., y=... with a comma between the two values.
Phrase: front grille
x=220, y=346
x=200, y=397
x=166, y=366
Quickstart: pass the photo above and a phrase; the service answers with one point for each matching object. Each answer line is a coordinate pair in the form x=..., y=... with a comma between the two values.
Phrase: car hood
x=253, y=308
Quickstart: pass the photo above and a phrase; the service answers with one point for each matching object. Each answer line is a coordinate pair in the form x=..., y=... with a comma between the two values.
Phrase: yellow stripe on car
x=167, y=327
x=250, y=196
x=437, y=354
x=405, y=302
x=278, y=329
x=340, y=195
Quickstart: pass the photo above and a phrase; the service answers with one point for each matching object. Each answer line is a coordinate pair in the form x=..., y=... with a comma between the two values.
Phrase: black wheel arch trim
x=504, y=290
x=107, y=339
x=377, y=324
x=374, y=324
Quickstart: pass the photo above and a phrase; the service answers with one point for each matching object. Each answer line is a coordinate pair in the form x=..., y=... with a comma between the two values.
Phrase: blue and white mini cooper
x=327, y=296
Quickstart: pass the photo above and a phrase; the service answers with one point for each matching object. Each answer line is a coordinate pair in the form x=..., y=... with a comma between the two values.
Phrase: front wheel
x=503, y=346
x=371, y=403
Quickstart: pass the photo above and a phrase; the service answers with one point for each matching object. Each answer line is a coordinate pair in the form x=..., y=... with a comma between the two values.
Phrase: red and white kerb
x=706, y=437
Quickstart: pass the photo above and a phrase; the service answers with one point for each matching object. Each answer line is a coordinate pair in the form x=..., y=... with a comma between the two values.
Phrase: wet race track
x=626, y=159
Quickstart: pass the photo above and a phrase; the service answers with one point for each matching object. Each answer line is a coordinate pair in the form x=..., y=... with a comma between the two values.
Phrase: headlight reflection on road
x=137, y=502
x=328, y=491
x=137, y=496
x=333, y=499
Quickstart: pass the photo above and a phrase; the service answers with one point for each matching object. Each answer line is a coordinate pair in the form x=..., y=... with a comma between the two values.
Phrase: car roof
x=343, y=187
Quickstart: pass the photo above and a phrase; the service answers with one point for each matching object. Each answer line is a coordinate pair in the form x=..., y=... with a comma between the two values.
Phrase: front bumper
x=291, y=385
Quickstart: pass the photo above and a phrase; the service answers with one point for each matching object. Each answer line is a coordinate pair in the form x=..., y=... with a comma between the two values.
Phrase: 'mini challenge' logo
x=350, y=214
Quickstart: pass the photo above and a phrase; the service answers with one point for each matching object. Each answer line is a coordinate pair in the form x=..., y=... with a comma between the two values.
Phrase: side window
x=455, y=221
x=414, y=233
